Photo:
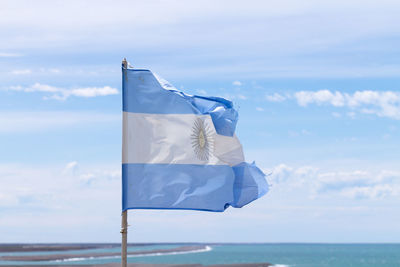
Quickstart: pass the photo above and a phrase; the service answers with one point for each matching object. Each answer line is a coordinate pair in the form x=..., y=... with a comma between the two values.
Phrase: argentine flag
x=180, y=151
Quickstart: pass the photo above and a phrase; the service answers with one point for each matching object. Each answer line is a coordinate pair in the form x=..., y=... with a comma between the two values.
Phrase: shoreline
x=66, y=257
x=49, y=247
x=152, y=265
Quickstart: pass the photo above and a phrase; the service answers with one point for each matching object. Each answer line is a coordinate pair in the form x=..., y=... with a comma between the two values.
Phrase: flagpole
x=124, y=232
x=124, y=219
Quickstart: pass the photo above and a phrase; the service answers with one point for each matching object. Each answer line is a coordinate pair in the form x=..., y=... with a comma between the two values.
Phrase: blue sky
x=316, y=85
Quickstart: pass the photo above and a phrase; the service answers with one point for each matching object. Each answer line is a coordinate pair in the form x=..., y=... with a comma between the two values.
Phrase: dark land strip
x=54, y=257
x=151, y=265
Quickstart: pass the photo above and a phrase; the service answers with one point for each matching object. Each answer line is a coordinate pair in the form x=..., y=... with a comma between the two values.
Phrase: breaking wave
x=205, y=249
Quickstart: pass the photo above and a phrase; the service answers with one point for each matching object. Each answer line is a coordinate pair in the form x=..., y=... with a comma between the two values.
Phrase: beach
x=154, y=265
x=62, y=257
x=28, y=253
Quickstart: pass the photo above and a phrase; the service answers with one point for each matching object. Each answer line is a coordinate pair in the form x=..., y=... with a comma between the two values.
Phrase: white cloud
x=305, y=98
x=54, y=70
x=327, y=29
x=63, y=94
x=240, y=96
x=52, y=192
x=34, y=121
x=232, y=97
x=259, y=109
x=281, y=173
x=71, y=167
x=332, y=30
x=50, y=18
x=351, y=114
x=237, y=83
x=200, y=92
x=361, y=184
x=38, y=71
x=380, y=103
x=375, y=191
x=275, y=97
x=37, y=87
x=9, y=54
x=299, y=133
x=316, y=183
x=92, y=91
x=59, y=202
x=21, y=72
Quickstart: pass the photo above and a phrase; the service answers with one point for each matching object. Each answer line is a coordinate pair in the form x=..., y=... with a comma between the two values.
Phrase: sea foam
x=205, y=249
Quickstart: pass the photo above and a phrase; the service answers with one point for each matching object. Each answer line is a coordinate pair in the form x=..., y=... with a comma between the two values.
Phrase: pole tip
x=125, y=63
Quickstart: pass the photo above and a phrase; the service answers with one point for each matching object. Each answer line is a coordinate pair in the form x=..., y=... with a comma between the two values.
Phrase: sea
x=280, y=255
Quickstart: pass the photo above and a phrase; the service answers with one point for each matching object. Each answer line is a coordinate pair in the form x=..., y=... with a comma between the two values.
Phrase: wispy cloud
x=2, y=54
x=275, y=97
x=74, y=191
x=356, y=184
x=31, y=121
x=38, y=71
x=67, y=193
x=304, y=98
x=242, y=97
x=21, y=72
x=360, y=184
x=236, y=83
x=380, y=103
x=58, y=198
x=275, y=51
x=63, y=93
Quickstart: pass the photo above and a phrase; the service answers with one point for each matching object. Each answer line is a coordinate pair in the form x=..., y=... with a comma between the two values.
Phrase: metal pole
x=124, y=232
x=124, y=222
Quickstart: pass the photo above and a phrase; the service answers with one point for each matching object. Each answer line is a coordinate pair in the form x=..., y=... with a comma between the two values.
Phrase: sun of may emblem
x=201, y=139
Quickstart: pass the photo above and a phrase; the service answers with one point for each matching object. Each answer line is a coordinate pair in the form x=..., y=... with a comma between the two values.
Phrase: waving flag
x=180, y=151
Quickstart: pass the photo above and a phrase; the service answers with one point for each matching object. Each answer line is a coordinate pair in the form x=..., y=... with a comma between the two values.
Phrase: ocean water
x=300, y=255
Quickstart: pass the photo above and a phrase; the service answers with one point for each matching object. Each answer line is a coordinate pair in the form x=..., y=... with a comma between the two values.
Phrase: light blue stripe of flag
x=150, y=96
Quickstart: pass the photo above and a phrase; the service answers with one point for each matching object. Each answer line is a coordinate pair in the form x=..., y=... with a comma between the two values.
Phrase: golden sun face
x=201, y=139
